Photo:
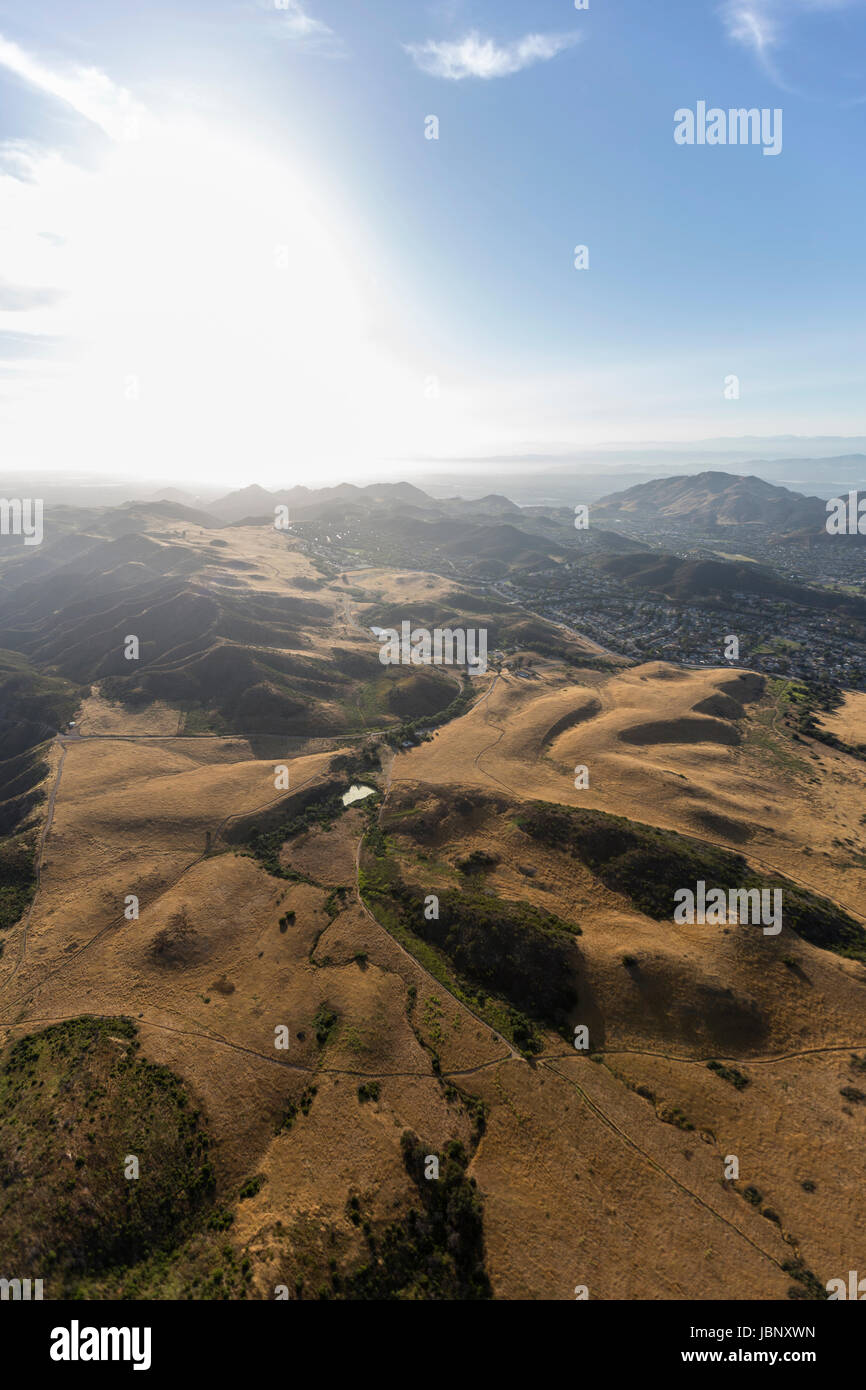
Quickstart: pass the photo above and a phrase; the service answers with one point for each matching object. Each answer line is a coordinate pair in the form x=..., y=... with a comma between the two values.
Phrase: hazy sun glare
x=210, y=318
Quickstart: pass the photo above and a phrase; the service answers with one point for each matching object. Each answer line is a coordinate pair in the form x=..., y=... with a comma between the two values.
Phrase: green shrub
x=734, y=1077
x=437, y=1251
x=324, y=1022
x=649, y=865
x=509, y=949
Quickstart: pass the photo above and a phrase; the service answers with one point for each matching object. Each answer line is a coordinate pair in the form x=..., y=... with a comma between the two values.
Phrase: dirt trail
x=274, y=1060
x=659, y=1167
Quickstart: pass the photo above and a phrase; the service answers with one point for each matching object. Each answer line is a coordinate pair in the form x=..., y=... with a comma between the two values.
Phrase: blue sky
x=427, y=305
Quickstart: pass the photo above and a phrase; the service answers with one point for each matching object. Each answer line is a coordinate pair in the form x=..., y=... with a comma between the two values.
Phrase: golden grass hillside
x=605, y=1167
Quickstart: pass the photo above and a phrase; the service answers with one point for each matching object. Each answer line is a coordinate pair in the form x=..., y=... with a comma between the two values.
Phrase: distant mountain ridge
x=715, y=499
x=256, y=501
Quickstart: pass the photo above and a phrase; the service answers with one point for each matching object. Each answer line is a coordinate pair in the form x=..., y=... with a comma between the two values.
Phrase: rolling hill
x=710, y=580
x=712, y=499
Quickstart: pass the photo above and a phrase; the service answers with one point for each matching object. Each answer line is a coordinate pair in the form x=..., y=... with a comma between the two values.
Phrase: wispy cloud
x=27, y=346
x=750, y=23
x=753, y=24
x=295, y=21
x=87, y=90
x=761, y=25
x=20, y=298
x=476, y=56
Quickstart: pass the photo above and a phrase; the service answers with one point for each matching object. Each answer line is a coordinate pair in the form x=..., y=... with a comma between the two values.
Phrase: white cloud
x=295, y=20
x=761, y=25
x=304, y=24
x=21, y=298
x=475, y=56
x=751, y=25
x=87, y=90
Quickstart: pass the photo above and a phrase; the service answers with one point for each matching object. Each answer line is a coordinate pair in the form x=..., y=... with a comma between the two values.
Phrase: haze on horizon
x=231, y=254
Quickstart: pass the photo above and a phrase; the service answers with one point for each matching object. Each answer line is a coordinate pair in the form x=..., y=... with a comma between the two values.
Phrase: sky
x=230, y=250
